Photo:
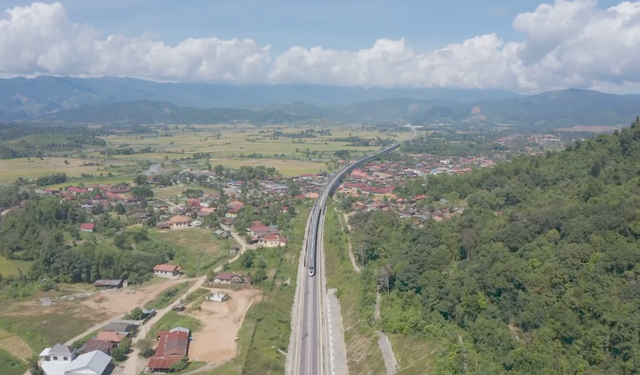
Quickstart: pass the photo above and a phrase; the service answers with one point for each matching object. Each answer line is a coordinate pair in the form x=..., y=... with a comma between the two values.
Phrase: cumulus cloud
x=566, y=44
x=40, y=39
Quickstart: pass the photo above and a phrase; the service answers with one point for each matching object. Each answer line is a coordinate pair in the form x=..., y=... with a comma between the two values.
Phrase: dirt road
x=132, y=366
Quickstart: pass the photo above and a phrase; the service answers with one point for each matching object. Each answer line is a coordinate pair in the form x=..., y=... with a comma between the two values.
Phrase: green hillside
x=147, y=112
x=539, y=275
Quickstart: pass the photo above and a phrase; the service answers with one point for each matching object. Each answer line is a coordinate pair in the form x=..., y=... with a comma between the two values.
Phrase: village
x=250, y=215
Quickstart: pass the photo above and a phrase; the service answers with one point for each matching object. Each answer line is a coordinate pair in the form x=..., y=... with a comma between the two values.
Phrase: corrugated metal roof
x=95, y=361
x=172, y=343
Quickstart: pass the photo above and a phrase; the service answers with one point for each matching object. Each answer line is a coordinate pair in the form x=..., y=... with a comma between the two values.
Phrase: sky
x=518, y=45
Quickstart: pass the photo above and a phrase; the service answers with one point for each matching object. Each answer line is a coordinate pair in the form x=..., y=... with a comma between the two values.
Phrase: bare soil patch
x=216, y=341
x=118, y=302
x=94, y=305
x=15, y=346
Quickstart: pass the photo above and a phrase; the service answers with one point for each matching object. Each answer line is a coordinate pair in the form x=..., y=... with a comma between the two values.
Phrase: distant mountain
x=304, y=110
x=96, y=100
x=147, y=112
x=47, y=94
x=563, y=108
x=436, y=113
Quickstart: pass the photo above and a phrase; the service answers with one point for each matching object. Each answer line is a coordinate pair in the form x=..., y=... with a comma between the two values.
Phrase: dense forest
x=46, y=230
x=539, y=275
x=34, y=139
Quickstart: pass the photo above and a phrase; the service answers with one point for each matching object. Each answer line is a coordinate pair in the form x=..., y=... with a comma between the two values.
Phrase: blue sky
x=348, y=25
x=527, y=46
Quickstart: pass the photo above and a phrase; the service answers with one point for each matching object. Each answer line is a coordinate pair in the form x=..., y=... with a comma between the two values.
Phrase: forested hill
x=539, y=275
x=148, y=112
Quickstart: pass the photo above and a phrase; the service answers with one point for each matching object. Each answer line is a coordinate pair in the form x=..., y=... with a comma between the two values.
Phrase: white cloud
x=40, y=39
x=566, y=44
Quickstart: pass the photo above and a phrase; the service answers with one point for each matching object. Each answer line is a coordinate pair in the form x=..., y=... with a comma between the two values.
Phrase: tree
x=140, y=179
x=135, y=314
x=34, y=367
x=145, y=348
x=142, y=192
x=119, y=353
x=259, y=276
x=120, y=209
x=181, y=365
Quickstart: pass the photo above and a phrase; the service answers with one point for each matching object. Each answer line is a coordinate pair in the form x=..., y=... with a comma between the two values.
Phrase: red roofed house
x=228, y=278
x=178, y=221
x=173, y=345
x=77, y=190
x=233, y=211
x=166, y=270
x=113, y=196
x=88, y=227
x=260, y=230
x=273, y=240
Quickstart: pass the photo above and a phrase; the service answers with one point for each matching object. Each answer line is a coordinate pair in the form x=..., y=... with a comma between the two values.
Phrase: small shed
x=110, y=283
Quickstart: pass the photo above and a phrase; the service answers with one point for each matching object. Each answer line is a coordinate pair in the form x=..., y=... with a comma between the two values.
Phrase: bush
x=145, y=348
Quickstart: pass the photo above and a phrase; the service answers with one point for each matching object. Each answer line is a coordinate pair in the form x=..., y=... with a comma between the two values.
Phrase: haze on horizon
x=526, y=48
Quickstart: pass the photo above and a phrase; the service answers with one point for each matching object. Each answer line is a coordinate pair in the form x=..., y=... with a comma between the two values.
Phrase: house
x=62, y=360
x=173, y=345
x=260, y=230
x=113, y=196
x=122, y=326
x=218, y=297
x=273, y=240
x=92, y=363
x=139, y=218
x=178, y=222
x=104, y=346
x=228, y=278
x=88, y=227
x=113, y=337
x=58, y=353
x=163, y=225
x=166, y=270
x=233, y=211
x=76, y=190
x=109, y=284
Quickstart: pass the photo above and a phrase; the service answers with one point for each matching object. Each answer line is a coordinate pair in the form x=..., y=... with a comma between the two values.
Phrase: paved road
x=311, y=354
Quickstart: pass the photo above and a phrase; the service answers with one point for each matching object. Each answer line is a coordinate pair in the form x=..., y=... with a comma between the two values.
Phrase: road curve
x=309, y=351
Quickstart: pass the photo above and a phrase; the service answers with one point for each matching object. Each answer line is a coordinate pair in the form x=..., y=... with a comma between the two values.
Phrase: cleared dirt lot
x=89, y=304
x=216, y=341
x=118, y=302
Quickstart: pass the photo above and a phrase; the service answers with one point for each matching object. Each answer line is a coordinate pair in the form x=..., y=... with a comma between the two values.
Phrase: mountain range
x=129, y=100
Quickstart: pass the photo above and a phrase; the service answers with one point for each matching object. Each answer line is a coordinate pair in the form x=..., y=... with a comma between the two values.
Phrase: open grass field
x=272, y=317
x=230, y=142
x=199, y=240
x=87, y=182
x=357, y=301
x=11, y=169
x=10, y=267
x=42, y=330
x=226, y=145
x=174, y=191
x=15, y=345
x=168, y=296
x=173, y=319
x=197, y=249
x=287, y=168
x=10, y=364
